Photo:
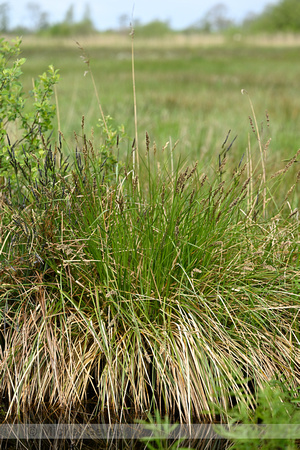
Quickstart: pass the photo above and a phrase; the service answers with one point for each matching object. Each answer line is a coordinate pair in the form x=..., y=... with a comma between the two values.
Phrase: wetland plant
x=159, y=288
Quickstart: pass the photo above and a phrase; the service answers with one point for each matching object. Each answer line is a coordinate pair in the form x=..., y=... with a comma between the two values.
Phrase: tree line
x=39, y=21
x=283, y=16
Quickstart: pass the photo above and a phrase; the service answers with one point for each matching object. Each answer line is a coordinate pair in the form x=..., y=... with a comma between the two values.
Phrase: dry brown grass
x=176, y=41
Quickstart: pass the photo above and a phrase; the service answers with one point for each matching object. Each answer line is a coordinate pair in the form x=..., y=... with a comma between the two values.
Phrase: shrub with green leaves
x=274, y=419
x=23, y=127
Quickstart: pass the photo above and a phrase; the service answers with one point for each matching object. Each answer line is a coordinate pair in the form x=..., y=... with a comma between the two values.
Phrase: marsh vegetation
x=133, y=276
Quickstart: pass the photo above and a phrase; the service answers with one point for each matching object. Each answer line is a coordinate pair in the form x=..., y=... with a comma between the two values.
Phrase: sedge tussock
x=138, y=286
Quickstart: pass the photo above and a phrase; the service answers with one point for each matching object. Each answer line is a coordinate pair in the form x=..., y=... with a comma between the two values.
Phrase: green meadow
x=150, y=262
x=188, y=89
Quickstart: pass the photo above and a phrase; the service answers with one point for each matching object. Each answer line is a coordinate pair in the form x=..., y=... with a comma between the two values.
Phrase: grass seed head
x=268, y=119
x=154, y=148
x=203, y=179
x=252, y=125
x=147, y=142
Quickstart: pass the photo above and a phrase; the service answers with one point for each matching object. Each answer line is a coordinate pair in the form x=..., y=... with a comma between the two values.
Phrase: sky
x=106, y=13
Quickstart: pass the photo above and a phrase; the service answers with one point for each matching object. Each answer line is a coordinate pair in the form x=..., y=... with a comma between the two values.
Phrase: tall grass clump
x=164, y=297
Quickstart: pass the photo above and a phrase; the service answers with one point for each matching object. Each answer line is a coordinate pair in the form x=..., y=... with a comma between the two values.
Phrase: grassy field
x=167, y=283
x=187, y=89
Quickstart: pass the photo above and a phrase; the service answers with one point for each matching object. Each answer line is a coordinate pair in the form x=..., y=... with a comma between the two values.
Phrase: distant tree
x=283, y=16
x=38, y=18
x=69, y=27
x=216, y=19
x=87, y=15
x=154, y=28
x=136, y=23
x=87, y=21
x=124, y=22
x=69, y=17
x=4, y=17
x=43, y=21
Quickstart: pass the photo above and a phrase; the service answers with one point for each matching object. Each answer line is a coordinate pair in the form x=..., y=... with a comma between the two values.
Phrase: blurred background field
x=188, y=77
x=188, y=88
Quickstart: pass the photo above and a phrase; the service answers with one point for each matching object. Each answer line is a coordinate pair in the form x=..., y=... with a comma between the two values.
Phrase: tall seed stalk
x=262, y=153
x=86, y=60
x=135, y=155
